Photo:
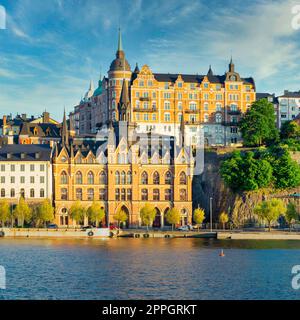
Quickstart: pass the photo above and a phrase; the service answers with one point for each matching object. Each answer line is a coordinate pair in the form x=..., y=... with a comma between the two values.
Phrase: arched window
x=156, y=178
x=144, y=194
x=90, y=178
x=182, y=178
x=129, y=195
x=168, y=178
x=102, y=194
x=218, y=118
x=183, y=196
x=2, y=193
x=102, y=178
x=31, y=193
x=144, y=177
x=64, y=194
x=42, y=193
x=117, y=177
x=90, y=194
x=168, y=195
x=156, y=195
x=12, y=193
x=22, y=193
x=123, y=178
x=63, y=178
x=78, y=177
x=117, y=194
x=129, y=177
x=79, y=194
x=123, y=194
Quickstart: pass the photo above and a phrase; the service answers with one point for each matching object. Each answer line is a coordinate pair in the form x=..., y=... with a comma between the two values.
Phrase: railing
x=152, y=109
x=145, y=99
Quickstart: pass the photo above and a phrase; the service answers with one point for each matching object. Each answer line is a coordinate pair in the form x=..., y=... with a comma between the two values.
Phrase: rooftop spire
x=120, y=46
x=65, y=133
x=231, y=65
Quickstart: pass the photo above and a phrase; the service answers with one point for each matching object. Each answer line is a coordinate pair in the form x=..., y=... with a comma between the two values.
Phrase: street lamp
x=211, y=213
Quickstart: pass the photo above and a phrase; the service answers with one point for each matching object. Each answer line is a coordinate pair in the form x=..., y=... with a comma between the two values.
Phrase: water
x=148, y=269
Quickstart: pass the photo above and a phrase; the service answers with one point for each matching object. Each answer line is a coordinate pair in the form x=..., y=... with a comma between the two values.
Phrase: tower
x=65, y=132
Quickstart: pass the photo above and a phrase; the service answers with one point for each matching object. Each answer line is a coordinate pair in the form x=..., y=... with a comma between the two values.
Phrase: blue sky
x=51, y=48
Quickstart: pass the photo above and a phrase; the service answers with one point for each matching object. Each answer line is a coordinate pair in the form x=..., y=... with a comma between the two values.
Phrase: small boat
x=222, y=254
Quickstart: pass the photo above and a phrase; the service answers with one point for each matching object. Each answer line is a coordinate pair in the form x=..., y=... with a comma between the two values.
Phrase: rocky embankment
x=239, y=205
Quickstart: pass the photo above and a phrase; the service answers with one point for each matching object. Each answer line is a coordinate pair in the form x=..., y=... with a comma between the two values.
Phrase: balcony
x=145, y=99
x=152, y=109
x=234, y=112
x=230, y=123
x=189, y=111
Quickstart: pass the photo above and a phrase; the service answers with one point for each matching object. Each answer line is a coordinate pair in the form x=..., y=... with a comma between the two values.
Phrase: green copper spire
x=120, y=46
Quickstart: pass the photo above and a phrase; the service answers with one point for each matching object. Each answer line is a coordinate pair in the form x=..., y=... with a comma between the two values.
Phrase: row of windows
x=79, y=178
x=32, y=193
x=13, y=167
x=22, y=179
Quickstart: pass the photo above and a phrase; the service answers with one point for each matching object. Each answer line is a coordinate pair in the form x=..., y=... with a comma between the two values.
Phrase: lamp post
x=211, y=213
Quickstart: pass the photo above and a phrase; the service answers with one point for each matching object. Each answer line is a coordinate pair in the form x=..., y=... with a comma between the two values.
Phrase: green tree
x=290, y=130
x=4, y=212
x=258, y=126
x=120, y=217
x=199, y=216
x=45, y=212
x=270, y=210
x=96, y=213
x=291, y=215
x=148, y=213
x=22, y=212
x=173, y=217
x=77, y=212
x=223, y=218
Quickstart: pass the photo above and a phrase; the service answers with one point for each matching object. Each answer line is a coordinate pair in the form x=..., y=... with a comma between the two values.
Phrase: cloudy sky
x=51, y=48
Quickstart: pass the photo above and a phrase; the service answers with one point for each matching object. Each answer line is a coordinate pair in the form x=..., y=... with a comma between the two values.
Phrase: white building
x=288, y=106
x=25, y=170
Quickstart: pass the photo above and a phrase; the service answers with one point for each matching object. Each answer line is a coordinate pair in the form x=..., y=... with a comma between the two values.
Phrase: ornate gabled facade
x=209, y=104
x=122, y=177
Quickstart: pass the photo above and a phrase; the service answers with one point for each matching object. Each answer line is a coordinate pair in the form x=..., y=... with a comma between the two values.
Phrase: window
x=206, y=117
x=156, y=194
x=182, y=178
x=79, y=194
x=123, y=194
x=32, y=167
x=129, y=195
x=193, y=106
x=42, y=167
x=90, y=194
x=167, y=105
x=219, y=107
x=22, y=167
x=156, y=178
x=154, y=117
x=90, y=178
x=117, y=177
x=2, y=193
x=233, y=107
x=31, y=179
x=102, y=178
x=63, y=194
x=205, y=85
x=206, y=96
x=2, y=179
x=218, y=118
x=192, y=86
x=144, y=178
x=179, y=84
x=42, y=179
x=144, y=195
x=22, y=180
x=117, y=194
x=123, y=178
x=31, y=193
x=78, y=178
x=183, y=195
x=179, y=96
x=179, y=105
x=12, y=193
x=129, y=177
x=168, y=178
x=63, y=178
x=146, y=117
x=168, y=195
x=12, y=179
x=13, y=168
x=2, y=167
x=102, y=195
x=206, y=106
x=167, y=117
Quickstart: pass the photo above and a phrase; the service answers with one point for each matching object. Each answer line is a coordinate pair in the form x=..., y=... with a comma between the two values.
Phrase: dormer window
x=206, y=85
x=37, y=155
x=180, y=84
x=22, y=155
x=8, y=156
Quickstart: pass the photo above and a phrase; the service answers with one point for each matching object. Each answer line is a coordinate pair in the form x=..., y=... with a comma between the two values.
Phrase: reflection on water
x=148, y=269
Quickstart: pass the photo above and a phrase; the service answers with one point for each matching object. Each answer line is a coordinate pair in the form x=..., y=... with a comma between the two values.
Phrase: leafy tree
x=43, y=213
x=270, y=210
x=258, y=125
x=173, y=217
x=120, y=217
x=22, y=212
x=291, y=214
x=199, y=216
x=96, y=213
x=290, y=129
x=148, y=213
x=223, y=218
x=77, y=212
x=4, y=212
x=285, y=170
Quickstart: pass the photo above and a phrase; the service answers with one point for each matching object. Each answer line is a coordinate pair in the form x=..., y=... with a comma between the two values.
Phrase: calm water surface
x=148, y=269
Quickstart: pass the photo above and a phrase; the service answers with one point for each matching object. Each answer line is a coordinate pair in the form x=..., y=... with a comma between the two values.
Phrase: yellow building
x=122, y=175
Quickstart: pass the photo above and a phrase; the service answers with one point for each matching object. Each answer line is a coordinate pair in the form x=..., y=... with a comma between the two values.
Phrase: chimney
x=4, y=120
x=46, y=117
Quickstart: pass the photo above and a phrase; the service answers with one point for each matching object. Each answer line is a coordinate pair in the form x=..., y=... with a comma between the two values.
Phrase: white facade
x=288, y=106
